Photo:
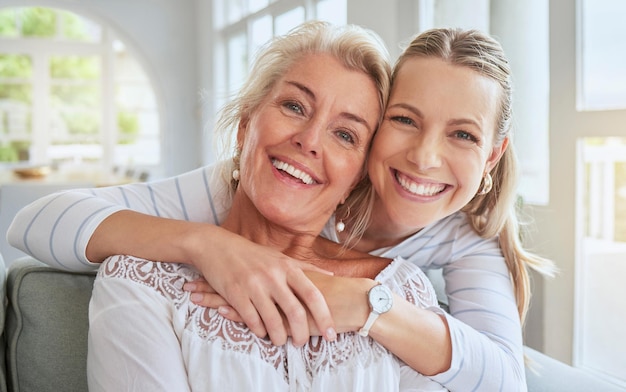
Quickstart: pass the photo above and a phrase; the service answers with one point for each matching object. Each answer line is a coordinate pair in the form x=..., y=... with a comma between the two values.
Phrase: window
x=602, y=76
x=243, y=26
x=582, y=227
x=601, y=343
x=71, y=92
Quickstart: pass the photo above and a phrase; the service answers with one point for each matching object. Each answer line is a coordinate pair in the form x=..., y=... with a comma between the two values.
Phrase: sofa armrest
x=46, y=327
x=546, y=374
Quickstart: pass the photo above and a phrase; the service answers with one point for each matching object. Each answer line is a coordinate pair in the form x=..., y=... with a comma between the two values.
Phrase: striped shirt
x=487, y=345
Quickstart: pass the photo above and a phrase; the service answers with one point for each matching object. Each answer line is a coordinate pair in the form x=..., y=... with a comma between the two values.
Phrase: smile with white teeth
x=419, y=189
x=299, y=174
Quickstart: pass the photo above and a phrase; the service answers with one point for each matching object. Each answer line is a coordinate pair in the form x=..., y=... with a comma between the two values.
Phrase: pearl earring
x=340, y=226
x=236, y=174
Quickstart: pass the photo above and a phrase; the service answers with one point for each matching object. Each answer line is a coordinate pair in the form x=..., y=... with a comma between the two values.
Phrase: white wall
x=162, y=34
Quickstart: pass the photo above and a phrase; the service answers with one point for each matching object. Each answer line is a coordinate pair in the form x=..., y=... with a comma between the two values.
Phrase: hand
x=336, y=290
x=203, y=294
x=264, y=287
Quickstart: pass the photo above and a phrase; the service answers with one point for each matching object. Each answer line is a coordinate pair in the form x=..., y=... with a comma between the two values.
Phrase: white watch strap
x=368, y=324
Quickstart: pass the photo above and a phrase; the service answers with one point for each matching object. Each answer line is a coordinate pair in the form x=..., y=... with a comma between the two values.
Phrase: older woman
x=301, y=148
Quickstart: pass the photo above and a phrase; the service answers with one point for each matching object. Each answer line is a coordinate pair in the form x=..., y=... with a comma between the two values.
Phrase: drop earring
x=487, y=184
x=340, y=226
x=235, y=173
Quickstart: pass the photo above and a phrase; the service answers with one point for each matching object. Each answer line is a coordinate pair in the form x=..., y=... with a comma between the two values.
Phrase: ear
x=242, y=130
x=496, y=154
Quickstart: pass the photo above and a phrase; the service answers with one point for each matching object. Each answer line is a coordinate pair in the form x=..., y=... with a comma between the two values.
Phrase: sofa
x=45, y=323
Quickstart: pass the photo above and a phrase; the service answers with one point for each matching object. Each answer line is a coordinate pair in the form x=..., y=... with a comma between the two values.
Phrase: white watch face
x=381, y=298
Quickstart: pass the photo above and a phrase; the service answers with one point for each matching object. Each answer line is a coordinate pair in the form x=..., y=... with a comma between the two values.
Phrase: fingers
x=272, y=319
x=313, y=299
x=248, y=312
x=230, y=313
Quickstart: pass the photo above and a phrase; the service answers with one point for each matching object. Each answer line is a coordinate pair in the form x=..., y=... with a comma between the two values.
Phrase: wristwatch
x=381, y=301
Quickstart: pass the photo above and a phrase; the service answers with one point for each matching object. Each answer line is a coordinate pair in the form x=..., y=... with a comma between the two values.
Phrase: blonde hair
x=353, y=46
x=494, y=213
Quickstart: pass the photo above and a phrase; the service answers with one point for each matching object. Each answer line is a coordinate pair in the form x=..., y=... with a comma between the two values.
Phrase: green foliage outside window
x=75, y=67
x=15, y=66
x=128, y=126
x=73, y=84
x=38, y=22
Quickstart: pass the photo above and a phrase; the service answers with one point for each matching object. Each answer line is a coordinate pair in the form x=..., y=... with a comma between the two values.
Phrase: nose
x=425, y=152
x=308, y=139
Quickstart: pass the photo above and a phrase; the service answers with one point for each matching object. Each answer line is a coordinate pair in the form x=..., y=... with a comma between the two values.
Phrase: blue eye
x=294, y=107
x=402, y=119
x=466, y=136
x=346, y=136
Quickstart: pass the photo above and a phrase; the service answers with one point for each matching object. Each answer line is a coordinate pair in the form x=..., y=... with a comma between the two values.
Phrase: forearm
x=57, y=229
x=154, y=238
x=419, y=337
x=356, y=268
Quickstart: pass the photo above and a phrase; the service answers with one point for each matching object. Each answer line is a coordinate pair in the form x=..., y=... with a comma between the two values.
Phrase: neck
x=381, y=231
x=246, y=220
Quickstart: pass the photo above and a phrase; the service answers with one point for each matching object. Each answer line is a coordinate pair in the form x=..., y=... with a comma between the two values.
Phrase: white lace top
x=146, y=335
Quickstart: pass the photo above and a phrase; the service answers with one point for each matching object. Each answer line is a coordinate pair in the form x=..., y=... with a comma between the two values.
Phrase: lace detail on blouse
x=315, y=357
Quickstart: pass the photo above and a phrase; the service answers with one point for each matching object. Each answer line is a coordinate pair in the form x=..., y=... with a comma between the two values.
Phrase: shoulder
x=166, y=279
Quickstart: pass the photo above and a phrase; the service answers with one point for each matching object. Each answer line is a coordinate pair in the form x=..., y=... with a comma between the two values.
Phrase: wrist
x=359, y=303
x=380, y=300
x=194, y=242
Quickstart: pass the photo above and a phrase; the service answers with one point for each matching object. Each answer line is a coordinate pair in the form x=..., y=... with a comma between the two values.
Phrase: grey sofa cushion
x=46, y=328
x=3, y=376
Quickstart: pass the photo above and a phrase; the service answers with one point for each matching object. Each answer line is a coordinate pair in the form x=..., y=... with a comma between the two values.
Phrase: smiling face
x=304, y=147
x=435, y=143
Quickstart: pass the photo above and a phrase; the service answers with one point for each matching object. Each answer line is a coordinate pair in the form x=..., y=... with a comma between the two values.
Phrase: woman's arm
x=57, y=228
x=396, y=330
x=174, y=220
x=484, y=324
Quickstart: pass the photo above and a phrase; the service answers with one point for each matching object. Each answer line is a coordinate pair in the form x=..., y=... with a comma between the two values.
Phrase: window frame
x=40, y=50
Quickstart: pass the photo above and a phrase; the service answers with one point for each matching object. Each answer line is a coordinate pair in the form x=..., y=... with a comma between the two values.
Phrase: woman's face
x=304, y=147
x=435, y=143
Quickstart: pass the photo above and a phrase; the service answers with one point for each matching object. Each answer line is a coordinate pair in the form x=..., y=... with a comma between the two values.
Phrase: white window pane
x=288, y=20
x=234, y=10
x=333, y=11
x=260, y=32
x=237, y=63
x=602, y=55
x=601, y=264
x=257, y=5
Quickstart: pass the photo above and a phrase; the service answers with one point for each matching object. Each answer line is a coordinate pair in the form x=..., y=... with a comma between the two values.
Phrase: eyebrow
x=347, y=115
x=417, y=112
